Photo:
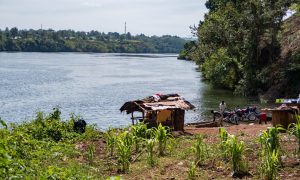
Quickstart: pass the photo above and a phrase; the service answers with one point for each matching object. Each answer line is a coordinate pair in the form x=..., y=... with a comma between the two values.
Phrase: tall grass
x=200, y=150
x=91, y=149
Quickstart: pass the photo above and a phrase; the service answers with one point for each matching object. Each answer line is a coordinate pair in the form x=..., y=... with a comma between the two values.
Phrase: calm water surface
x=95, y=86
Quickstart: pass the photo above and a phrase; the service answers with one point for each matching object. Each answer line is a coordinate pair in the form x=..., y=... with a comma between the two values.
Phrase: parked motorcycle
x=228, y=116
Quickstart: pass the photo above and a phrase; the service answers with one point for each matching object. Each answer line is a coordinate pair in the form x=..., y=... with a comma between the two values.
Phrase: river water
x=95, y=86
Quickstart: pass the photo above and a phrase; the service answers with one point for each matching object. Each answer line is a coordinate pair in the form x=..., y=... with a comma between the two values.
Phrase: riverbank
x=49, y=147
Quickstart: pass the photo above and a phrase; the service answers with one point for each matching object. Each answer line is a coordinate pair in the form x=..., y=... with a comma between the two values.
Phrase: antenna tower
x=125, y=28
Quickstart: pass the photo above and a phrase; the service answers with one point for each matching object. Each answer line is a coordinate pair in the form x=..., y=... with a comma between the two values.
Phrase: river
x=95, y=86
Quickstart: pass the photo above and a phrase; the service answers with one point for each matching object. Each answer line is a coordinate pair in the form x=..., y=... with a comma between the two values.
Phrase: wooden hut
x=166, y=109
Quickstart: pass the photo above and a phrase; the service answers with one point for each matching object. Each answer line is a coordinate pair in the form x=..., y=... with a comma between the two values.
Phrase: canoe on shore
x=204, y=124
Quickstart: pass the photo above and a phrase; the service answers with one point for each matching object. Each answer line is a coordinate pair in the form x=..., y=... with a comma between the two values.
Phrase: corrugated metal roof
x=168, y=101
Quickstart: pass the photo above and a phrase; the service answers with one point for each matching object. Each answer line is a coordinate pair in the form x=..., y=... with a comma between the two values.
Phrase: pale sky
x=150, y=17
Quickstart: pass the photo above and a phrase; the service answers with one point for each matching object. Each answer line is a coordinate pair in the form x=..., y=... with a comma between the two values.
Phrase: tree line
x=93, y=41
x=239, y=45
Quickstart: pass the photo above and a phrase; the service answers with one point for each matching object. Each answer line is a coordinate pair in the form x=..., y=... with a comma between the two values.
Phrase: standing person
x=222, y=108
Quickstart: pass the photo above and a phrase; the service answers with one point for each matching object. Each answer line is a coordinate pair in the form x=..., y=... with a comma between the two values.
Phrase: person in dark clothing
x=79, y=126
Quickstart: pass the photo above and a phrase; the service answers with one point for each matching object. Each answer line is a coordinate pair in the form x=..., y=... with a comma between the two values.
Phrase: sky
x=149, y=17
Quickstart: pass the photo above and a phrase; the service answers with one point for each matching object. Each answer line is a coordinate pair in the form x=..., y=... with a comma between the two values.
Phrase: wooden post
x=132, y=119
x=179, y=120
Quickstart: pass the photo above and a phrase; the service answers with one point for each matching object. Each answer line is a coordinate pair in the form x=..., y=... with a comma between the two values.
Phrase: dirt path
x=249, y=129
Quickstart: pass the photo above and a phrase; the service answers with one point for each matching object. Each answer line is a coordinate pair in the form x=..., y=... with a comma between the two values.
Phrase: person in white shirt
x=222, y=107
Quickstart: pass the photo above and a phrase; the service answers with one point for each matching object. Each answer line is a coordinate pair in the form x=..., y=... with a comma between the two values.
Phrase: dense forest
x=71, y=41
x=248, y=47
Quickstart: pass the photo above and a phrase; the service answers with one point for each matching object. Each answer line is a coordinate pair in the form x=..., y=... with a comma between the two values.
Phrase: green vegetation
x=150, y=144
x=192, y=171
x=270, y=154
x=111, y=140
x=161, y=135
x=43, y=149
x=236, y=151
x=48, y=147
x=139, y=132
x=124, y=146
x=269, y=165
x=245, y=46
x=200, y=150
x=233, y=150
x=294, y=129
x=223, y=135
x=70, y=41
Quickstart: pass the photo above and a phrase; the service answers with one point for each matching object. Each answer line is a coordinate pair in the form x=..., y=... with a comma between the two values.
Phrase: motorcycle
x=228, y=116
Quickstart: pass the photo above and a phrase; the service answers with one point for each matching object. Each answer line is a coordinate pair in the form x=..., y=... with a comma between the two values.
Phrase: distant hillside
x=93, y=41
x=285, y=73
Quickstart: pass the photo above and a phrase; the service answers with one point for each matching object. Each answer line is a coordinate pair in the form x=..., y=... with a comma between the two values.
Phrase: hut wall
x=283, y=118
x=164, y=115
x=179, y=120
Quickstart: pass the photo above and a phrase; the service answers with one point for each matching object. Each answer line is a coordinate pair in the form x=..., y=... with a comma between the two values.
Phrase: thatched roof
x=167, y=101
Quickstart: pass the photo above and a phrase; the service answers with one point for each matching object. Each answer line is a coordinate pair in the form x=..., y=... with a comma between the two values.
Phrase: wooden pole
x=132, y=119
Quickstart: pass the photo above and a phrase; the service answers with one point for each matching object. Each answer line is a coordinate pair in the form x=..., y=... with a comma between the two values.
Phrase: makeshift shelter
x=168, y=109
